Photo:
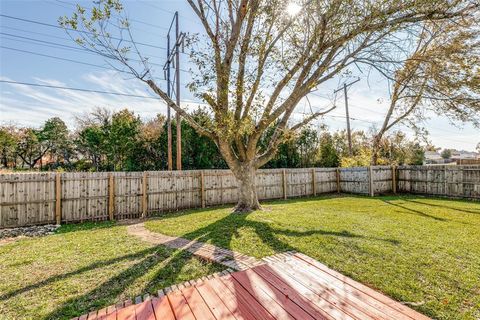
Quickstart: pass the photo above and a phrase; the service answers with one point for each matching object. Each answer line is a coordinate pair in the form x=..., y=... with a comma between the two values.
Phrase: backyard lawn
x=424, y=252
x=86, y=267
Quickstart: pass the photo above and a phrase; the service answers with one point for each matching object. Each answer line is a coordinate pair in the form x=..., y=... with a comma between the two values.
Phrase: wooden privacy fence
x=39, y=198
x=441, y=180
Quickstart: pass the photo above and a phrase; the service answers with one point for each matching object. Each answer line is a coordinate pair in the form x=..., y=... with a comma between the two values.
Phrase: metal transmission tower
x=347, y=115
x=173, y=87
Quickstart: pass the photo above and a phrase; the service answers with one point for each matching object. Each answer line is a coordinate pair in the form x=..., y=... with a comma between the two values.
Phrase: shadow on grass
x=413, y=211
x=106, y=293
x=59, y=277
x=222, y=231
x=443, y=206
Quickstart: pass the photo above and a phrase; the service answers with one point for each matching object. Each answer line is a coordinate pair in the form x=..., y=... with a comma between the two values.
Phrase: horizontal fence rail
x=40, y=198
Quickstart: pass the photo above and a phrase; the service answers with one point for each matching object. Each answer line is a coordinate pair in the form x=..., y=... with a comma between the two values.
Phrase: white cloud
x=33, y=105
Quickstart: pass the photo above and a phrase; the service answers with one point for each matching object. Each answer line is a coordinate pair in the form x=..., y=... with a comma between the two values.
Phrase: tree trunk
x=375, y=149
x=374, y=160
x=247, y=192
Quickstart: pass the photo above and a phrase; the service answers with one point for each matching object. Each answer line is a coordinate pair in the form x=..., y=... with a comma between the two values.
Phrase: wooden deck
x=288, y=286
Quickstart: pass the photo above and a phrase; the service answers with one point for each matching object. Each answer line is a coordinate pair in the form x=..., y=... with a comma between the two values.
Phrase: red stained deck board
x=277, y=303
x=233, y=302
x=144, y=311
x=92, y=315
x=363, y=288
x=291, y=286
x=101, y=313
x=369, y=305
x=126, y=313
x=358, y=306
x=216, y=305
x=180, y=306
x=342, y=301
x=246, y=298
x=197, y=304
x=111, y=313
x=162, y=308
x=304, y=303
x=323, y=302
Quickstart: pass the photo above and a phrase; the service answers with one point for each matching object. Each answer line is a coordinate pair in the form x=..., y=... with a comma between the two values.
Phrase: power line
x=76, y=61
x=62, y=38
x=59, y=58
x=34, y=32
x=351, y=118
x=62, y=59
x=89, y=8
x=172, y=12
x=79, y=31
x=78, y=89
x=62, y=46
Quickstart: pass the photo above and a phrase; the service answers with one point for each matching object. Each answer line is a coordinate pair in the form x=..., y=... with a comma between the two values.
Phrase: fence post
x=284, y=179
x=111, y=196
x=144, y=195
x=58, y=198
x=338, y=180
x=370, y=181
x=445, y=186
x=314, y=182
x=202, y=188
x=394, y=179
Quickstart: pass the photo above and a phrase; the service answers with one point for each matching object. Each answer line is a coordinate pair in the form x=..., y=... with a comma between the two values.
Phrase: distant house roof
x=464, y=155
x=432, y=155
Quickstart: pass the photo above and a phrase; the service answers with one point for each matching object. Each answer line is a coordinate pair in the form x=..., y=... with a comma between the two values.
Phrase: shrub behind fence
x=39, y=198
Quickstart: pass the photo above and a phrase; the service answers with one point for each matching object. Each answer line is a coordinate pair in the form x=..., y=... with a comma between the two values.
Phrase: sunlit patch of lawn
x=422, y=251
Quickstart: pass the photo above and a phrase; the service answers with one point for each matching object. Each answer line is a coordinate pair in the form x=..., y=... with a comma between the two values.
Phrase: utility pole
x=177, y=94
x=347, y=115
x=169, y=120
x=173, y=58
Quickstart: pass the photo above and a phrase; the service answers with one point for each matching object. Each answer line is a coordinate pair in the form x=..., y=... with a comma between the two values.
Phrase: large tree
x=442, y=75
x=256, y=61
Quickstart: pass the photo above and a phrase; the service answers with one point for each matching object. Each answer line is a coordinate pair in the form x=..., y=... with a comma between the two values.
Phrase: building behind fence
x=40, y=198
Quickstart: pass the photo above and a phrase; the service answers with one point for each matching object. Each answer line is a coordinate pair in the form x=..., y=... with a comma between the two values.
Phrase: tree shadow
x=343, y=233
x=413, y=211
x=474, y=211
x=107, y=292
x=59, y=277
x=222, y=232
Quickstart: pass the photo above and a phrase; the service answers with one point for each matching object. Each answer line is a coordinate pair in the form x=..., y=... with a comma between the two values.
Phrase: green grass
x=86, y=267
x=419, y=250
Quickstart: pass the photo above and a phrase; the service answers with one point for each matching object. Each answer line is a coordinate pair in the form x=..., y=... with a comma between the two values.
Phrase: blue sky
x=149, y=19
